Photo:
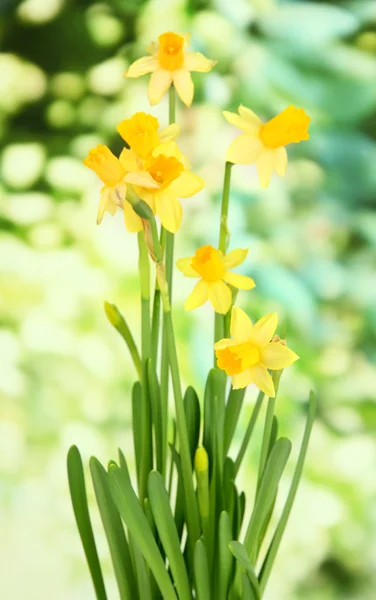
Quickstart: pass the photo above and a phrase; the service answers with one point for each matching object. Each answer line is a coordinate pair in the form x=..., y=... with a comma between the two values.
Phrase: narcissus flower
x=160, y=181
x=170, y=63
x=264, y=143
x=142, y=134
x=213, y=269
x=252, y=351
x=110, y=170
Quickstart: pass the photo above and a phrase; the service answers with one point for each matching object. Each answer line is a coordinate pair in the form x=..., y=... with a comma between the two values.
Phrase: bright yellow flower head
x=213, y=269
x=264, y=143
x=252, y=351
x=160, y=181
x=142, y=134
x=170, y=63
x=110, y=170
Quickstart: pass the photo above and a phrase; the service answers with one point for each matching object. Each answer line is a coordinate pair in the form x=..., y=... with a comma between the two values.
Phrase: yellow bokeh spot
x=290, y=126
x=164, y=169
x=101, y=160
x=171, y=55
x=207, y=262
x=141, y=133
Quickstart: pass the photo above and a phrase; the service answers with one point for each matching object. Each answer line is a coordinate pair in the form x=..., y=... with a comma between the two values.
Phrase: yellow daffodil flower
x=160, y=181
x=170, y=63
x=110, y=170
x=213, y=269
x=264, y=143
x=252, y=351
x=142, y=134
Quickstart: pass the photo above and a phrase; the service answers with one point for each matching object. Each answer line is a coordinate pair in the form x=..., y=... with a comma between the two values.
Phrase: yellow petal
x=280, y=161
x=220, y=296
x=265, y=164
x=277, y=356
x=169, y=133
x=235, y=258
x=242, y=282
x=106, y=203
x=244, y=150
x=198, y=296
x=195, y=61
x=241, y=380
x=241, y=123
x=262, y=378
x=128, y=160
x=169, y=210
x=241, y=325
x=143, y=65
x=142, y=179
x=132, y=221
x=159, y=83
x=264, y=329
x=186, y=185
x=185, y=266
x=224, y=343
x=184, y=85
x=249, y=115
x=167, y=149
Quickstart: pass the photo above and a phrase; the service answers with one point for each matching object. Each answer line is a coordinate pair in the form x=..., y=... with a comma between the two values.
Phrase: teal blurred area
x=65, y=376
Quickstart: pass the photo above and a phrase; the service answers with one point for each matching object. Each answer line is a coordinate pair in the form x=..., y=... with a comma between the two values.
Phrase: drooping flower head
x=212, y=267
x=142, y=133
x=170, y=63
x=110, y=170
x=252, y=351
x=264, y=143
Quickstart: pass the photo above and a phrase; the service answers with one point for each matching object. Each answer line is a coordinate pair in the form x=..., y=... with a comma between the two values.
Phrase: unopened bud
x=112, y=313
x=201, y=460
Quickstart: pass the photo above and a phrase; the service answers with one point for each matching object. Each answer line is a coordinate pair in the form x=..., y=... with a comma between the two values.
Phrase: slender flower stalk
x=219, y=326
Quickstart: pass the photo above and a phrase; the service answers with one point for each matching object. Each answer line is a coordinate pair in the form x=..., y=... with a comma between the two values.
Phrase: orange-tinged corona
x=164, y=169
x=108, y=168
x=207, y=262
x=290, y=126
x=171, y=55
x=141, y=133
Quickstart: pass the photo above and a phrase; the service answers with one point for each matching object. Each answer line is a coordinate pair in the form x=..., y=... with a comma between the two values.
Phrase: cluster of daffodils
x=153, y=169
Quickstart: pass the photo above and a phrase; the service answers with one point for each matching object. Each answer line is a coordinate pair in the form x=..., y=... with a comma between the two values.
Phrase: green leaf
x=164, y=520
x=117, y=320
x=248, y=432
x=214, y=402
x=241, y=556
x=81, y=512
x=133, y=516
x=113, y=527
x=192, y=414
x=225, y=564
x=248, y=592
x=273, y=548
x=179, y=502
x=155, y=399
x=232, y=412
x=136, y=422
x=201, y=570
x=267, y=492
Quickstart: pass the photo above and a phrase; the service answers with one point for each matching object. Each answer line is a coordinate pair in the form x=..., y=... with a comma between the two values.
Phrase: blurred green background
x=65, y=376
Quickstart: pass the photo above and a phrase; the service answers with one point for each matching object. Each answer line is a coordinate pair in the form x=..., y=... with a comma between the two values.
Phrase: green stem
x=146, y=434
x=248, y=433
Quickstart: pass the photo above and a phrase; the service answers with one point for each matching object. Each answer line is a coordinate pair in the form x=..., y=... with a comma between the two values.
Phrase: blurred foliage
x=64, y=375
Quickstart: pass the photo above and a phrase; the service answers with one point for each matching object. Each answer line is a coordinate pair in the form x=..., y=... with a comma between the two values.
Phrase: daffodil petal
x=263, y=380
x=241, y=325
x=187, y=184
x=280, y=161
x=142, y=66
x=169, y=148
x=132, y=221
x=220, y=296
x=265, y=165
x=241, y=380
x=264, y=329
x=184, y=85
x=235, y=258
x=185, y=266
x=142, y=179
x=128, y=160
x=195, y=61
x=169, y=210
x=241, y=123
x=277, y=356
x=159, y=83
x=249, y=115
x=169, y=133
x=198, y=296
x=106, y=203
x=224, y=343
x=242, y=282
x=244, y=150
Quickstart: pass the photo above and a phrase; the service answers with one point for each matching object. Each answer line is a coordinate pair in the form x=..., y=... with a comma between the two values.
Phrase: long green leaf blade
x=77, y=488
x=117, y=320
x=133, y=516
x=241, y=556
x=201, y=570
x=232, y=412
x=225, y=563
